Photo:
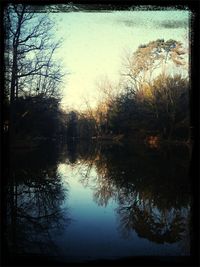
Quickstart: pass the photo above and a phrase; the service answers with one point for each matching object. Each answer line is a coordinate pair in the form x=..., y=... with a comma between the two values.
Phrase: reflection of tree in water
x=34, y=199
x=152, y=189
x=149, y=222
x=90, y=159
x=72, y=151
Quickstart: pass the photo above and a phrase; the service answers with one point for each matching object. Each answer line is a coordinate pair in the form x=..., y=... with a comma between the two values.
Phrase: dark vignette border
x=91, y=6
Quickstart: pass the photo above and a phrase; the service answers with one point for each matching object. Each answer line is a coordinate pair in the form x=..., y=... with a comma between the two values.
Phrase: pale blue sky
x=94, y=45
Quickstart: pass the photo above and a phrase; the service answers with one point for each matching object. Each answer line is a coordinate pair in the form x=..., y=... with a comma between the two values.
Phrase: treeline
x=153, y=99
x=160, y=109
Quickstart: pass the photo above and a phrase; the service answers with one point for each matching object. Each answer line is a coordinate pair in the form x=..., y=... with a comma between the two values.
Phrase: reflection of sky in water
x=94, y=229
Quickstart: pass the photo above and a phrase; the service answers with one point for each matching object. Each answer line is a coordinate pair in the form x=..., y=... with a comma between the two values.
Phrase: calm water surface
x=82, y=201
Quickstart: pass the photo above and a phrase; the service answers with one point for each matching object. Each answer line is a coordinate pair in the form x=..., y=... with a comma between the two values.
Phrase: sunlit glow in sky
x=94, y=45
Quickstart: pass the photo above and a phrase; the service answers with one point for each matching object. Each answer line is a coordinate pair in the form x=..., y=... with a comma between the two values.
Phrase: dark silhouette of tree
x=47, y=120
x=170, y=99
x=72, y=124
x=161, y=108
x=30, y=67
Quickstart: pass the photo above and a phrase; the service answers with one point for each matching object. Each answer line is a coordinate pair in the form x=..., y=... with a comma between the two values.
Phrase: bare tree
x=29, y=49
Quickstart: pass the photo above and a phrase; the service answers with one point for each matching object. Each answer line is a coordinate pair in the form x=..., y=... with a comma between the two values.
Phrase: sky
x=95, y=43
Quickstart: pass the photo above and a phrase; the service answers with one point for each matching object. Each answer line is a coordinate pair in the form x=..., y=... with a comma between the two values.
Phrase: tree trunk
x=12, y=95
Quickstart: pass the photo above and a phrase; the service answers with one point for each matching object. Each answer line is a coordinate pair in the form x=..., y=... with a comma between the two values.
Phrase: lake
x=82, y=201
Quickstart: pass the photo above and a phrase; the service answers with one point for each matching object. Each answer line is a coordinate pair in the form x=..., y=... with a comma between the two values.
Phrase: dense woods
x=152, y=100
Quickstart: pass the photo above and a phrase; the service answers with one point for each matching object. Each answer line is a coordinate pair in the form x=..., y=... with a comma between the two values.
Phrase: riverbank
x=152, y=141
